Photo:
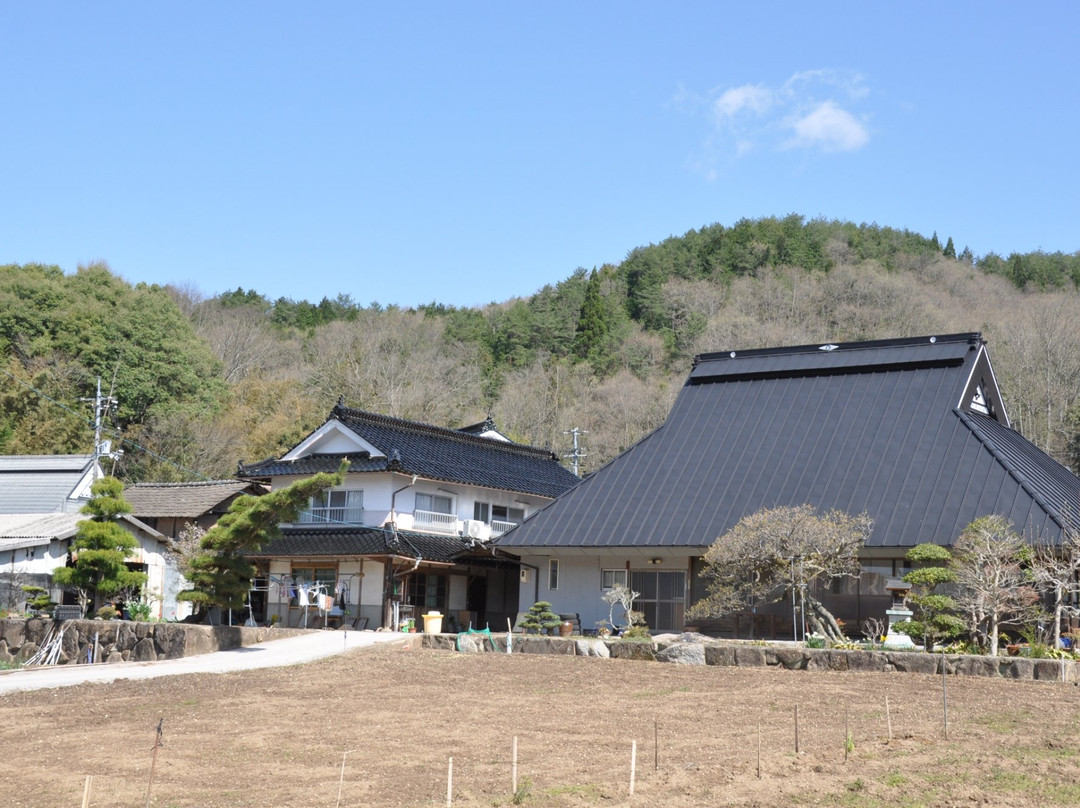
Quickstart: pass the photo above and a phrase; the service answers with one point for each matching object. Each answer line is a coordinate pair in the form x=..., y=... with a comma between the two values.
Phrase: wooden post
x=759, y=748
x=153, y=763
x=888, y=717
x=513, y=769
x=796, y=729
x=847, y=731
x=944, y=695
x=450, y=783
x=656, y=743
x=341, y=782
x=633, y=766
x=86, y=791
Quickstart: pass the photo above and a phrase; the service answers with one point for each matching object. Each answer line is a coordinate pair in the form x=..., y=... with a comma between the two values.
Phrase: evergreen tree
x=935, y=618
x=935, y=242
x=101, y=548
x=594, y=323
x=950, y=249
x=221, y=572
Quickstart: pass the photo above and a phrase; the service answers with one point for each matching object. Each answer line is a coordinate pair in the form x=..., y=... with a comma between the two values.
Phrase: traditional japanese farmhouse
x=409, y=532
x=912, y=431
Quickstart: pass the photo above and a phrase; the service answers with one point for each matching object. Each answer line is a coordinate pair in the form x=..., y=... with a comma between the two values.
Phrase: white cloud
x=751, y=97
x=831, y=128
x=818, y=110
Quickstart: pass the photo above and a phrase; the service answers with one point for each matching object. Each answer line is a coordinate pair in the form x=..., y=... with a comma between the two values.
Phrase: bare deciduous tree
x=992, y=585
x=1056, y=570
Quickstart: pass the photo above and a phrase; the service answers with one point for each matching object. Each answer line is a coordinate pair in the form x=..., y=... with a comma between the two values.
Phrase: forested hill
x=205, y=382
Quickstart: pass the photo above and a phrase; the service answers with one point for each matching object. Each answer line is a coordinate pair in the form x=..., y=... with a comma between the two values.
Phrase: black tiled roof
x=317, y=542
x=884, y=427
x=435, y=453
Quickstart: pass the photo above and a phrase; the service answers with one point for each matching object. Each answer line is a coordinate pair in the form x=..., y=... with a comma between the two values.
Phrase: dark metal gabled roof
x=435, y=453
x=886, y=427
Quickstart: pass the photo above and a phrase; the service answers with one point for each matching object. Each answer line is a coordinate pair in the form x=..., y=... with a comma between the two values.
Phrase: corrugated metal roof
x=40, y=483
x=182, y=500
x=435, y=453
x=39, y=525
x=884, y=437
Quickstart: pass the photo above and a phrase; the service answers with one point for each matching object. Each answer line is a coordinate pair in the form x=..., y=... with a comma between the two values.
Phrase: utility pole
x=578, y=454
x=102, y=448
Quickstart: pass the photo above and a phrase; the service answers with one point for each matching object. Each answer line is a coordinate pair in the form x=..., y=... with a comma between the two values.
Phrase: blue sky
x=473, y=152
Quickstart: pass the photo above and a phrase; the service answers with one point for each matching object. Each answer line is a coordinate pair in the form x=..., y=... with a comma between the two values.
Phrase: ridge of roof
x=969, y=337
x=195, y=484
x=346, y=414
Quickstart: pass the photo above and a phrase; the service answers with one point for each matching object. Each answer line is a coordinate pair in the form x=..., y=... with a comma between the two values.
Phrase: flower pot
x=566, y=628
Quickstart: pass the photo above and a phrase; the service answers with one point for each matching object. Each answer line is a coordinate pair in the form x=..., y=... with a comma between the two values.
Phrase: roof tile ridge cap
x=445, y=431
x=1010, y=468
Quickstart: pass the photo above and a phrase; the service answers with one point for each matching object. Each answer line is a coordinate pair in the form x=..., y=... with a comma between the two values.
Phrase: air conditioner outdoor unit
x=473, y=528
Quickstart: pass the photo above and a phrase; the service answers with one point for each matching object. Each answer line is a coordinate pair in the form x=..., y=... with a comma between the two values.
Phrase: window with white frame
x=435, y=513
x=553, y=573
x=335, y=507
x=500, y=517
x=609, y=579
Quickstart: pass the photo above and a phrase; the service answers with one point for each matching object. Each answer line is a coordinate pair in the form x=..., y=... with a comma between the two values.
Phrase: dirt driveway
x=276, y=737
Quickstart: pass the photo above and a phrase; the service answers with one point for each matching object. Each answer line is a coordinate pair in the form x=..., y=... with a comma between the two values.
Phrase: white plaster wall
x=458, y=592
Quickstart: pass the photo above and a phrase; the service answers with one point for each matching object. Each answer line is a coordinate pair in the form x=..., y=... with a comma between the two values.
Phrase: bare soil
x=277, y=737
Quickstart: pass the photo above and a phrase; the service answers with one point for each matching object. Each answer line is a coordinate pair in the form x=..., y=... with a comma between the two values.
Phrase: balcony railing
x=333, y=516
x=498, y=527
x=435, y=522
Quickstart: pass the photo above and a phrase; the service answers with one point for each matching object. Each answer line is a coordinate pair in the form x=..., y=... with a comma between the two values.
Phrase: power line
x=98, y=428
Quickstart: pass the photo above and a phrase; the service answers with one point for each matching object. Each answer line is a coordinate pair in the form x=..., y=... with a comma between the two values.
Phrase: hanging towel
x=326, y=602
x=302, y=596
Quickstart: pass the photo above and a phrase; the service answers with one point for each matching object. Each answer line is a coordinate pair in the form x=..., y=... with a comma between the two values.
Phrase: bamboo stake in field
x=656, y=743
x=153, y=763
x=847, y=732
x=888, y=717
x=759, y=748
x=341, y=781
x=633, y=766
x=450, y=783
x=86, y=790
x=944, y=695
x=513, y=770
x=796, y=729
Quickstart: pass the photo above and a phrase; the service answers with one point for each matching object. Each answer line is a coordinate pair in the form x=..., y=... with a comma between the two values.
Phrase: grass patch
x=895, y=780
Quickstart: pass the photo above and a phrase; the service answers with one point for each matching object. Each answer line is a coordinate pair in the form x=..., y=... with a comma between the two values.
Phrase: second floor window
x=335, y=507
x=500, y=517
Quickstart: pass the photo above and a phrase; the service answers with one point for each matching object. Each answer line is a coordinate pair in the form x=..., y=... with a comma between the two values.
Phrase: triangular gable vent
x=979, y=403
x=333, y=437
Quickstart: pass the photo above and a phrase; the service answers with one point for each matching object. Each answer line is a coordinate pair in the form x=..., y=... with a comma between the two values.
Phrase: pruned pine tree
x=935, y=612
x=221, y=572
x=768, y=552
x=101, y=549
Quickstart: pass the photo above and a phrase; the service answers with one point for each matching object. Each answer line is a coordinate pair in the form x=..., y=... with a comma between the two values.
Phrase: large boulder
x=1049, y=670
x=545, y=645
x=719, y=655
x=592, y=648
x=13, y=632
x=975, y=666
x=683, y=653
x=170, y=639
x=913, y=661
x=1016, y=667
x=144, y=651
x=749, y=656
x=633, y=650
x=792, y=658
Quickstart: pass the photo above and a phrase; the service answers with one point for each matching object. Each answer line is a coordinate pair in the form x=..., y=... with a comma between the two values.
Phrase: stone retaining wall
x=745, y=655
x=123, y=640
